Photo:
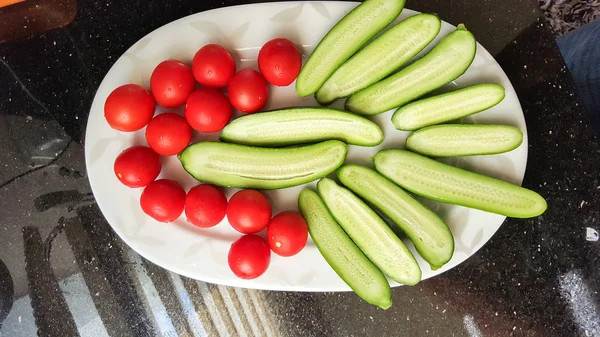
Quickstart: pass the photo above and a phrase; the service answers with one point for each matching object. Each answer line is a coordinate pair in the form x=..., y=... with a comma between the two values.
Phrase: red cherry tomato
x=249, y=211
x=137, y=166
x=249, y=257
x=208, y=110
x=163, y=200
x=205, y=205
x=168, y=134
x=248, y=90
x=171, y=83
x=287, y=233
x=280, y=61
x=213, y=66
x=129, y=108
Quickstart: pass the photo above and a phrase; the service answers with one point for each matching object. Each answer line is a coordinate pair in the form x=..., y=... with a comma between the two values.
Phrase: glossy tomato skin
x=213, y=66
x=205, y=205
x=129, y=108
x=168, y=134
x=248, y=90
x=163, y=200
x=171, y=83
x=137, y=166
x=208, y=110
x=279, y=60
x=249, y=257
x=287, y=233
x=249, y=211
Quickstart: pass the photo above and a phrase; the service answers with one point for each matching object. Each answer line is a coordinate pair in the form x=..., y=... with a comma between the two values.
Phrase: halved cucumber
x=437, y=181
x=381, y=57
x=302, y=125
x=448, y=106
x=370, y=233
x=449, y=59
x=262, y=168
x=454, y=140
x=342, y=254
x=428, y=232
x=344, y=39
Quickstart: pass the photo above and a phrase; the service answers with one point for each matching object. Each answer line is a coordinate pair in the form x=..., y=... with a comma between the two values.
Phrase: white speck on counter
x=582, y=203
x=407, y=318
x=525, y=67
x=54, y=43
x=578, y=296
x=471, y=326
x=20, y=319
x=591, y=234
x=550, y=132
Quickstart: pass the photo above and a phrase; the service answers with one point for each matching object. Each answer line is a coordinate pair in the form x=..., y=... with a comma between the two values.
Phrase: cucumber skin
x=316, y=214
x=391, y=93
x=439, y=148
x=265, y=184
x=412, y=275
x=229, y=134
x=356, y=65
x=392, y=164
x=349, y=44
x=406, y=212
x=400, y=116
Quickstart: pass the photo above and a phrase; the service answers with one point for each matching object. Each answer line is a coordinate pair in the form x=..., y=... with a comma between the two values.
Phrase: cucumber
x=448, y=106
x=449, y=59
x=381, y=57
x=342, y=254
x=244, y=166
x=302, y=125
x=344, y=39
x=453, y=140
x=370, y=233
x=437, y=181
x=428, y=232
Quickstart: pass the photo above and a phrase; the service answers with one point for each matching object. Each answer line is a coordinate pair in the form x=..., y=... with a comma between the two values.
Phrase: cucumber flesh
x=381, y=57
x=302, y=125
x=438, y=181
x=344, y=39
x=454, y=140
x=342, y=254
x=449, y=59
x=449, y=106
x=370, y=233
x=261, y=168
x=429, y=233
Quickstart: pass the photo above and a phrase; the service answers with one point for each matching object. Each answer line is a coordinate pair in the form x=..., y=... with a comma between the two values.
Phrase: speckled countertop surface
x=65, y=272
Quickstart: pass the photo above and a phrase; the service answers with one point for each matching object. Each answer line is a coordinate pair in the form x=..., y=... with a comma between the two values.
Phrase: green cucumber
x=244, y=166
x=302, y=125
x=454, y=140
x=449, y=59
x=342, y=254
x=370, y=233
x=344, y=39
x=438, y=181
x=381, y=57
x=449, y=106
x=428, y=232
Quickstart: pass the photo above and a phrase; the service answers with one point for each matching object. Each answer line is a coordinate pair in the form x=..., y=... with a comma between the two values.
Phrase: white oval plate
x=202, y=253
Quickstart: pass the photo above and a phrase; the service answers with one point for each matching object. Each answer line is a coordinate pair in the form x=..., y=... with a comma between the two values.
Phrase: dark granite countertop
x=66, y=273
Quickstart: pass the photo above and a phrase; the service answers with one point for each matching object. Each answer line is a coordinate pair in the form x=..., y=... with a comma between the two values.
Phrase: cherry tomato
x=280, y=61
x=208, y=110
x=287, y=233
x=249, y=211
x=163, y=200
x=168, y=134
x=213, y=66
x=129, y=108
x=205, y=205
x=249, y=257
x=248, y=90
x=171, y=83
x=137, y=166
